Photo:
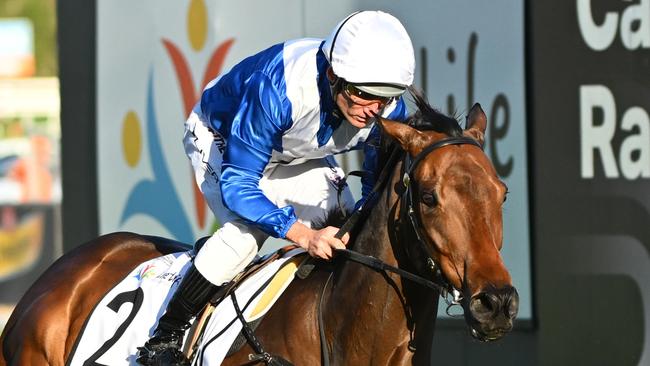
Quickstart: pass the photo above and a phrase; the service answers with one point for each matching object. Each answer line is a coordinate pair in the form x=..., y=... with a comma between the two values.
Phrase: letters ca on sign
x=598, y=117
x=632, y=24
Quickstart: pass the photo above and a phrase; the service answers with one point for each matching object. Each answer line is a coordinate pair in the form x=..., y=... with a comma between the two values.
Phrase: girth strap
x=260, y=354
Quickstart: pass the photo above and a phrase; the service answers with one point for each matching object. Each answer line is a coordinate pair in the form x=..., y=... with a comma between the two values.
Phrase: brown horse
x=454, y=199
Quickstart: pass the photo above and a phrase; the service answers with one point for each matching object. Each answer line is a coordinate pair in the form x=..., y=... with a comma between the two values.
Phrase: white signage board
x=153, y=58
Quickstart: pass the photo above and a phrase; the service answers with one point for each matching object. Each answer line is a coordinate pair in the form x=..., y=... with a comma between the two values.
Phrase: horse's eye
x=429, y=198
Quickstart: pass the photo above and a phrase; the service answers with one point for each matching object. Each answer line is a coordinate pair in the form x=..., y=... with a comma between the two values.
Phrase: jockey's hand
x=318, y=243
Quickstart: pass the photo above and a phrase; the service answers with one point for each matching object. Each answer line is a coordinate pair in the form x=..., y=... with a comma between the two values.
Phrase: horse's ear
x=476, y=123
x=408, y=137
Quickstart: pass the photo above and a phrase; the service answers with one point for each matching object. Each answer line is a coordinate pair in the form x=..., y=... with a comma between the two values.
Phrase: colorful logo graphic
x=157, y=197
x=148, y=271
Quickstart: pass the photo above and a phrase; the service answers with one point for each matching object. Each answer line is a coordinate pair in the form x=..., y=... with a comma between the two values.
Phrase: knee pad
x=228, y=251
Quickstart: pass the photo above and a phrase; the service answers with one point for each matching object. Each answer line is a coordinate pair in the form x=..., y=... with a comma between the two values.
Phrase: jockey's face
x=356, y=110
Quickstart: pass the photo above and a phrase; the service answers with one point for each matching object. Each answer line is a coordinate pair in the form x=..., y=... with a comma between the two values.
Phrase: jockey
x=261, y=141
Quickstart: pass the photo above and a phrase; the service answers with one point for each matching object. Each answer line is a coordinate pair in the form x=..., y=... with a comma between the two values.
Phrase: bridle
x=407, y=206
x=405, y=191
x=439, y=282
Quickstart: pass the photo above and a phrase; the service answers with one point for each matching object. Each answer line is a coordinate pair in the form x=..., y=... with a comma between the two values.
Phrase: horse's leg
x=46, y=322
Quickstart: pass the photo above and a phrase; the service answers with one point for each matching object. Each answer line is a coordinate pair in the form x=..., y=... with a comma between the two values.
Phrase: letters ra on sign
x=631, y=159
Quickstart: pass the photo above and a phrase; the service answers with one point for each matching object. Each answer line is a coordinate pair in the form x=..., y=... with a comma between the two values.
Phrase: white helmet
x=372, y=50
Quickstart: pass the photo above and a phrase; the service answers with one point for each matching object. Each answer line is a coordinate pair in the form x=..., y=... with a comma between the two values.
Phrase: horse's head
x=457, y=201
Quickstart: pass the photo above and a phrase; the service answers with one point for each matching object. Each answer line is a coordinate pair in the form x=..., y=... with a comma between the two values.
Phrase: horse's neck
x=374, y=238
x=367, y=308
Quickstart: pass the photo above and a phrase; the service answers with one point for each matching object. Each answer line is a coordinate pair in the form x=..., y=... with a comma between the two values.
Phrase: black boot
x=164, y=348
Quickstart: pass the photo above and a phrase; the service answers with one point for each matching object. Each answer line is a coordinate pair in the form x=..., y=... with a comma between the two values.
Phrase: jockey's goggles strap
x=336, y=87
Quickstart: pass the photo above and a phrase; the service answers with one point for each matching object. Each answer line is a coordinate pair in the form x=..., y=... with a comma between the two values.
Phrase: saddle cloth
x=126, y=316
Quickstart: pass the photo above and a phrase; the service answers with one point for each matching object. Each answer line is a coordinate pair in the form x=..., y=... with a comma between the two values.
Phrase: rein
x=380, y=266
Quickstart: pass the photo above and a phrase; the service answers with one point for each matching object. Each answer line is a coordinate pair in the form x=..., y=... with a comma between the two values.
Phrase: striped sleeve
x=256, y=130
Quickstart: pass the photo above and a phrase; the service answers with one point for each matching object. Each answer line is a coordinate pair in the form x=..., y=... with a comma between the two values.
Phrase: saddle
x=124, y=317
x=268, y=293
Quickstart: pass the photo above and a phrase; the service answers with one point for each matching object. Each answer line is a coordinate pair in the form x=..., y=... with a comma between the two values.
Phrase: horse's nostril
x=483, y=306
x=488, y=302
x=493, y=303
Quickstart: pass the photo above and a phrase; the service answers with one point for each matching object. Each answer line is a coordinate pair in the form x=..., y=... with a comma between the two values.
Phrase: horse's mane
x=425, y=118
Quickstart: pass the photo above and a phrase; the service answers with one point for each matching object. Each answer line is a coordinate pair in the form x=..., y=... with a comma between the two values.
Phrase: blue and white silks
x=276, y=107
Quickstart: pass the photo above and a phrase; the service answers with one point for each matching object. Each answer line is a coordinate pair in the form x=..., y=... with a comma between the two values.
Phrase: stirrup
x=165, y=357
x=164, y=348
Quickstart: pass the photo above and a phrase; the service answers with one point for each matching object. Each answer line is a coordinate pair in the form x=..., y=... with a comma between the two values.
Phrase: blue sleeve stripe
x=256, y=130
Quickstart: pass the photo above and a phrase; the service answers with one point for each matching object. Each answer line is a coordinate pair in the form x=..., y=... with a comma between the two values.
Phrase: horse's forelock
x=427, y=118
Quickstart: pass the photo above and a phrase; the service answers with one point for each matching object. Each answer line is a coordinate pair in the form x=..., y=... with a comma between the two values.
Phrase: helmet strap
x=336, y=86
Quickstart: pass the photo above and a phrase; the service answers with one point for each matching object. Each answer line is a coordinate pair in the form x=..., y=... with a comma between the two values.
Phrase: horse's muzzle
x=491, y=312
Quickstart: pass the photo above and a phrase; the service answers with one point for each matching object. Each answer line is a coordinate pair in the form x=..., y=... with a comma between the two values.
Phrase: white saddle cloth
x=127, y=315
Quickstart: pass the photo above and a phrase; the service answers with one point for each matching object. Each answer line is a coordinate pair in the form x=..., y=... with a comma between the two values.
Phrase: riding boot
x=164, y=348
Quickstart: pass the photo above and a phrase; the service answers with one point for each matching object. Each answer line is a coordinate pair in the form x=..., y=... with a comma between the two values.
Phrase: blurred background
x=93, y=96
x=30, y=135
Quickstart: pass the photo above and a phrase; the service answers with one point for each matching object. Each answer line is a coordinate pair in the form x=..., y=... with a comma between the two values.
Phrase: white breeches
x=309, y=187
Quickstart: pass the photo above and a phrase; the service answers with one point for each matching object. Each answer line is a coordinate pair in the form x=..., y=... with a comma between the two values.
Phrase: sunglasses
x=352, y=90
